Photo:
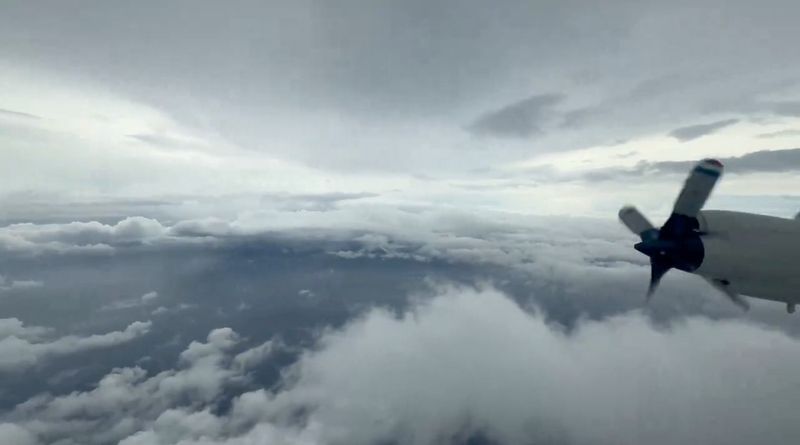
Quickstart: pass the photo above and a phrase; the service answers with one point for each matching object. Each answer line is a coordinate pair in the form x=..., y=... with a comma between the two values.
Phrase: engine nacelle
x=758, y=254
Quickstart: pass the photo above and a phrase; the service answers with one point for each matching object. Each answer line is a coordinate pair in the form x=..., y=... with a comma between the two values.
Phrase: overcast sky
x=219, y=220
x=412, y=100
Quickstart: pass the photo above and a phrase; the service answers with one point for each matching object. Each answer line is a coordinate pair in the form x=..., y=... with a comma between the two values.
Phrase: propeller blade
x=658, y=269
x=698, y=187
x=633, y=219
x=724, y=286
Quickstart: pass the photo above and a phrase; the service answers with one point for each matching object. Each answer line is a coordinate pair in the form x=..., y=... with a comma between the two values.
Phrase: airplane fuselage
x=758, y=255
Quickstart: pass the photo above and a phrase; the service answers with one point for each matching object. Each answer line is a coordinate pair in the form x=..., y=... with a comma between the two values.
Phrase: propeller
x=658, y=268
x=677, y=244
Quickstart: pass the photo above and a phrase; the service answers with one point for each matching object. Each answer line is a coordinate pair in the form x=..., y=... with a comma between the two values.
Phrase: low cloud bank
x=466, y=363
x=24, y=346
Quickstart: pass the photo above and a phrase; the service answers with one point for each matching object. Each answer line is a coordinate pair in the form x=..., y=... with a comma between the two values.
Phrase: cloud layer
x=22, y=347
x=466, y=364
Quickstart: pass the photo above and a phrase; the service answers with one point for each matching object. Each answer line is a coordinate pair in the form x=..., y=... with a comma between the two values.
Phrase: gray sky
x=203, y=98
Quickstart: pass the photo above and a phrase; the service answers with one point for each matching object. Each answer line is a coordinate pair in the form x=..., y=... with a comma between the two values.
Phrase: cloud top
x=24, y=346
x=468, y=363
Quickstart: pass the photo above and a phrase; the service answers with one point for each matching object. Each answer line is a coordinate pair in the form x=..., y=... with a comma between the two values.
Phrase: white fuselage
x=759, y=255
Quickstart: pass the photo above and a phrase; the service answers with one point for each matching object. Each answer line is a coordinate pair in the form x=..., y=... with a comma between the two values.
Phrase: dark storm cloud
x=580, y=117
x=389, y=86
x=47, y=207
x=313, y=201
x=785, y=108
x=752, y=104
x=357, y=54
x=691, y=132
x=517, y=120
x=762, y=161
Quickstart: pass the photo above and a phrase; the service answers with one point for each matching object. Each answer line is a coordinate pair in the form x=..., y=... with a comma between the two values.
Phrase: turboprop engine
x=681, y=242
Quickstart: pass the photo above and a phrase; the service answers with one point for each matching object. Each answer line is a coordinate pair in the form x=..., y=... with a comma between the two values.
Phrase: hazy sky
x=361, y=222
x=498, y=105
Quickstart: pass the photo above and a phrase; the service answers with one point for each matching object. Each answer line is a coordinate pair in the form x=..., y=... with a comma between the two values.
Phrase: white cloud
x=11, y=285
x=25, y=284
x=174, y=403
x=13, y=434
x=22, y=347
x=467, y=361
x=583, y=257
x=474, y=360
x=14, y=327
x=79, y=237
x=252, y=357
x=150, y=296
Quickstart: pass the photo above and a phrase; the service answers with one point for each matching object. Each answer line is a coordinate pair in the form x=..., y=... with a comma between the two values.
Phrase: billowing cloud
x=13, y=327
x=473, y=362
x=92, y=237
x=580, y=266
x=692, y=132
x=17, y=435
x=466, y=364
x=127, y=399
x=22, y=347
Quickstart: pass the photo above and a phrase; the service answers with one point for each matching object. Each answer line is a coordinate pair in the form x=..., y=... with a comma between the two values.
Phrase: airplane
x=740, y=254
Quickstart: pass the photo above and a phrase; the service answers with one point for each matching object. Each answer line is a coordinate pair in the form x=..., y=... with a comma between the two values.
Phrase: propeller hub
x=684, y=252
x=656, y=247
